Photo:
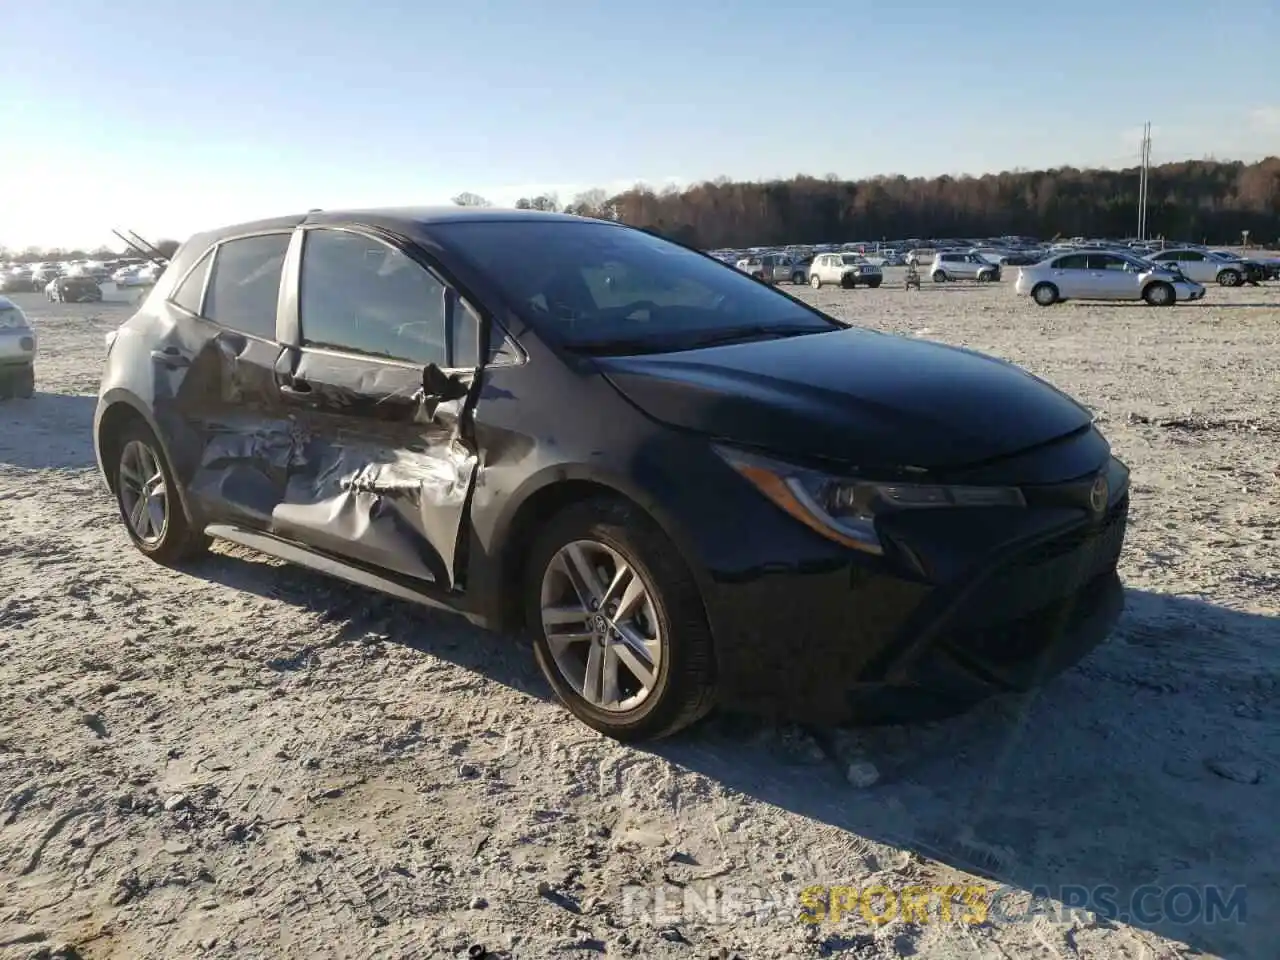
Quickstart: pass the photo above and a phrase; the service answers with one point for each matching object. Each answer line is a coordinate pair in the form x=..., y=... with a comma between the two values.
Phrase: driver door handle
x=294, y=387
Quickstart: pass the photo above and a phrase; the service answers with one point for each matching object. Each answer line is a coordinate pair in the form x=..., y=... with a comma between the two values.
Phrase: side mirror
x=440, y=386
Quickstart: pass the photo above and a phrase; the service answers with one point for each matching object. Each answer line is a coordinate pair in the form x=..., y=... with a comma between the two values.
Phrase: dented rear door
x=383, y=471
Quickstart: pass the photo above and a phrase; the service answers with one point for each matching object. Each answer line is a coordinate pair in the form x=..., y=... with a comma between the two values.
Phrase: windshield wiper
x=619, y=346
x=741, y=334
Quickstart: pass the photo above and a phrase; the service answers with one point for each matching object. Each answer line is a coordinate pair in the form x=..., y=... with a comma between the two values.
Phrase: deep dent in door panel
x=369, y=495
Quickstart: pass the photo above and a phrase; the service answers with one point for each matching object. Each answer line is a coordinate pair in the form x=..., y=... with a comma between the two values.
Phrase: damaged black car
x=687, y=487
x=82, y=289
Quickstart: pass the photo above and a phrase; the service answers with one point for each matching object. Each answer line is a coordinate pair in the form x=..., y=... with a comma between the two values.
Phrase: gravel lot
x=249, y=759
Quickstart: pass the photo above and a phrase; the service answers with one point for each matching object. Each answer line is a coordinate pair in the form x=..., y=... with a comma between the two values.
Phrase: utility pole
x=1142, y=181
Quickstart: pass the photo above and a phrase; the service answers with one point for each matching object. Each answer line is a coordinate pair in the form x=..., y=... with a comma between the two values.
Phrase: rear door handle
x=171, y=357
x=295, y=388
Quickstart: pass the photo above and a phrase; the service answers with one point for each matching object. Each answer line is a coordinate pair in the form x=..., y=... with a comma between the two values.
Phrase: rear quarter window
x=244, y=284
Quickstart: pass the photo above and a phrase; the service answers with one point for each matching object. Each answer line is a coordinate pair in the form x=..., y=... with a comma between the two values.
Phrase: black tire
x=1230, y=278
x=6, y=384
x=178, y=541
x=873, y=284
x=797, y=278
x=684, y=690
x=23, y=383
x=1160, y=294
x=1045, y=294
x=940, y=276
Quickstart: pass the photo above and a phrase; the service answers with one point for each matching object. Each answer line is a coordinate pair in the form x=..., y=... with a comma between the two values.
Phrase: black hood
x=856, y=396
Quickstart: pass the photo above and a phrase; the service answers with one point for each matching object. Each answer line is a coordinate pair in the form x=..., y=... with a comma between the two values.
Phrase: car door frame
x=1067, y=279
x=453, y=444
x=1108, y=284
x=240, y=470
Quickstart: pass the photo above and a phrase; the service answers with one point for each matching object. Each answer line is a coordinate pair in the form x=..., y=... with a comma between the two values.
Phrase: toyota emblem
x=1098, y=495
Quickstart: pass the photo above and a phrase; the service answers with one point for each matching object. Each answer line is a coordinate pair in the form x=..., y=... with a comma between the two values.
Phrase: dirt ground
x=249, y=759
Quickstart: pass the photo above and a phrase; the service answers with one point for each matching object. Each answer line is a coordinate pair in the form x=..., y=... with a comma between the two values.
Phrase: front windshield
x=11, y=316
x=850, y=259
x=597, y=285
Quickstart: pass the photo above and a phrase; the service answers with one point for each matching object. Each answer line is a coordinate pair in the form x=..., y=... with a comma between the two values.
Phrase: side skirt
x=290, y=552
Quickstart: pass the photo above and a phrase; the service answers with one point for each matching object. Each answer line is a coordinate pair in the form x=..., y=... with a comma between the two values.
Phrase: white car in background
x=1104, y=275
x=1203, y=266
x=963, y=265
x=138, y=276
x=845, y=269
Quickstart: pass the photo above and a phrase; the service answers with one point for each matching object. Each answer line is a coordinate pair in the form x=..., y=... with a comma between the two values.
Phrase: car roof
x=7, y=304
x=400, y=217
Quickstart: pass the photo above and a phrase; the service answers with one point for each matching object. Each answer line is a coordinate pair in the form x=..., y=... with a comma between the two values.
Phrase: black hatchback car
x=686, y=485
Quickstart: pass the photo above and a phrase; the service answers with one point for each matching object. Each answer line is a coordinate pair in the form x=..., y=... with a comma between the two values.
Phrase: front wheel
x=147, y=496
x=1230, y=278
x=1045, y=294
x=939, y=277
x=815, y=281
x=619, y=627
x=1159, y=295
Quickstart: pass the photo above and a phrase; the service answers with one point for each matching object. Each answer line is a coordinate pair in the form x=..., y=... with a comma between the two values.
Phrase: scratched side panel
x=379, y=473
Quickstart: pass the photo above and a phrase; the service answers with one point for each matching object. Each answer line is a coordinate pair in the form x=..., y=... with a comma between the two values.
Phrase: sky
x=169, y=120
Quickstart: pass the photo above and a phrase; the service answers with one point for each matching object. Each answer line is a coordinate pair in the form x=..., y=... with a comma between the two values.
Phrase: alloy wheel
x=143, y=492
x=601, y=626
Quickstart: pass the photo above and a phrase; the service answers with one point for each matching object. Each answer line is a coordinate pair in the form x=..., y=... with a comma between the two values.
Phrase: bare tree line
x=1193, y=200
x=1204, y=200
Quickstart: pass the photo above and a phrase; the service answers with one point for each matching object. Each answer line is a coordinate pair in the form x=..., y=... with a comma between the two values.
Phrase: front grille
x=1047, y=574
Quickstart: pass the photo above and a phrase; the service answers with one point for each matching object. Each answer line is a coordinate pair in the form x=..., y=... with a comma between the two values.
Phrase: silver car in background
x=17, y=352
x=846, y=269
x=1104, y=275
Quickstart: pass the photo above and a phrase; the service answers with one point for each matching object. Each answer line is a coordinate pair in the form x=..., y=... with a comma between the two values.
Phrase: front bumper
x=1001, y=602
x=1189, y=291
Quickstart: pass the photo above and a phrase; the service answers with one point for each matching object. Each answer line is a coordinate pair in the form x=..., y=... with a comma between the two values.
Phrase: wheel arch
x=544, y=495
x=117, y=409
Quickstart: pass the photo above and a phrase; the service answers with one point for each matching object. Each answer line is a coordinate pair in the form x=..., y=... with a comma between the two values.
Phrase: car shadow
x=49, y=431
x=1144, y=776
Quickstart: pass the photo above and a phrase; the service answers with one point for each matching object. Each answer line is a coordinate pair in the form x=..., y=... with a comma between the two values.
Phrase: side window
x=191, y=291
x=1191, y=256
x=1164, y=257
x=363, y=296
x=245, y=284
x=1075, y=261
x=1105, y=261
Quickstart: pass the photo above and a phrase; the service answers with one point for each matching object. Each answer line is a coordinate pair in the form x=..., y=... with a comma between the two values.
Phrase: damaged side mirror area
x=440, y=386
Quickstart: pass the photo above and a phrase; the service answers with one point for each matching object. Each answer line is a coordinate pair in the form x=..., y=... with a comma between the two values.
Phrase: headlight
x=844, y=509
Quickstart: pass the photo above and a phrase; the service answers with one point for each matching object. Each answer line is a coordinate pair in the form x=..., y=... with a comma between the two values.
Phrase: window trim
x=213, y=250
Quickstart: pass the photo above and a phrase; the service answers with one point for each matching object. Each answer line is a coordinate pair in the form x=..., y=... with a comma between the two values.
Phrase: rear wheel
x=1159, y=294
x=940, y=277
x=619, y=627
x=797, y=278
x=1045, y=294
x=873, y=284
x=147, y=496
x=1230, y=278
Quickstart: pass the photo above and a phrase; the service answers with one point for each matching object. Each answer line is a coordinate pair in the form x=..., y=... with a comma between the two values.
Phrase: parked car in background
x=81, y=289
x=17, y=280
x=17, y=352
x=1255, y=271
x=962, y=265
x=565, y=426
x=1203, y=266
x=1102, y=275
x=847, y=270
x=764, y=268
